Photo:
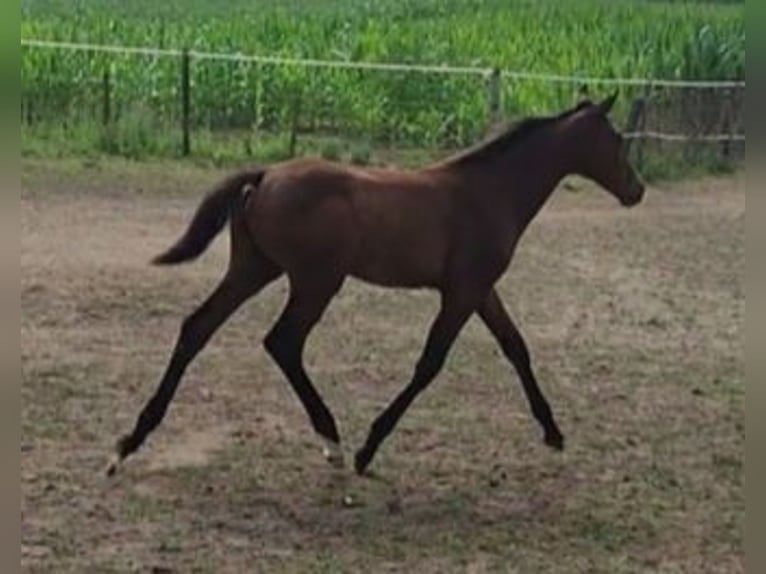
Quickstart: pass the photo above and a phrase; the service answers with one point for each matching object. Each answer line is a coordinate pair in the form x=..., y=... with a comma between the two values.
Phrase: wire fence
x=184, y=101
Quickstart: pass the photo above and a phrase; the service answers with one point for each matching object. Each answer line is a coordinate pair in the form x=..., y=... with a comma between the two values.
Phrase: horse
x=451, y=226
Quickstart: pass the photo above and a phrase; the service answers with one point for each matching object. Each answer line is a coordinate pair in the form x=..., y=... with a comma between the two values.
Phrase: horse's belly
x=397, y=264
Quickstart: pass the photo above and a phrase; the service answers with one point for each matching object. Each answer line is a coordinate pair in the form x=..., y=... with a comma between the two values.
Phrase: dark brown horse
x=452, y=226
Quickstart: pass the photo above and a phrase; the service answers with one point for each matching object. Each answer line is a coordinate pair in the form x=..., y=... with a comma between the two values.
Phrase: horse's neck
x=526, y=176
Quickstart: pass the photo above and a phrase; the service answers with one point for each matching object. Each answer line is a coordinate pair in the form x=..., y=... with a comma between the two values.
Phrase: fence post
x=185, y=103
x=494, y=97
x=296, y=111
x=727, y=126
x=106, y=116
x=254, y=95
x=636, y=123
x=25, y=117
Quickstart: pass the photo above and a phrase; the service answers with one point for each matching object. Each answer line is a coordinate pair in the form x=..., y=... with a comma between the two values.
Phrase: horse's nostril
x=634, y=195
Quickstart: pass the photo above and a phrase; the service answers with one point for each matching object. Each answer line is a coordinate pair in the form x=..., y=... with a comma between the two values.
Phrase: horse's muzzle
x=635, y=196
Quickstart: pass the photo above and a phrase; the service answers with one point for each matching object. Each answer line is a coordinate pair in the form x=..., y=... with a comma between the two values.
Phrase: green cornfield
x=129, y=101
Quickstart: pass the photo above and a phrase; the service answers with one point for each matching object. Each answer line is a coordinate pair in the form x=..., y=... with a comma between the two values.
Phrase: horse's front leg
x=497, y=320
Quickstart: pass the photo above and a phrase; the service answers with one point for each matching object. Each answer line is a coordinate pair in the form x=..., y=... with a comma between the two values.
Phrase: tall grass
x=616, y=38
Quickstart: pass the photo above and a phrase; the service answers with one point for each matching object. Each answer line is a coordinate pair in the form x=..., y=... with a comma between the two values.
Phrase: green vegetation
x=589, y=38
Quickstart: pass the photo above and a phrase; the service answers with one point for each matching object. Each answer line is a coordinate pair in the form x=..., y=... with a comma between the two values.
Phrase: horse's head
x=601, y=152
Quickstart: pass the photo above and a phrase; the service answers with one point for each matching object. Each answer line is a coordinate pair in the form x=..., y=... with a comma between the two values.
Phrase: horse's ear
x=583, y=99
x=607, y=104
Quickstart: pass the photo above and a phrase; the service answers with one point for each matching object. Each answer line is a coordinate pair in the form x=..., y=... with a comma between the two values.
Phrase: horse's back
x=384, y=226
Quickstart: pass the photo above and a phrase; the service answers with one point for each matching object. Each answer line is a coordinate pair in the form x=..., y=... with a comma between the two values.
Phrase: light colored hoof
x=333, y=453
x=114, y=465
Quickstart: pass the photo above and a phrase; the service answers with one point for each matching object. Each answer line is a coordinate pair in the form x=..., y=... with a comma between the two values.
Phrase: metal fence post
x=106, y=104
x=294, y=123
x=185, y=103
x=494, y=97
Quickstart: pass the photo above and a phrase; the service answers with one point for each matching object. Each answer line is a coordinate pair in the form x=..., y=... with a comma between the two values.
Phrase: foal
x=451, y=226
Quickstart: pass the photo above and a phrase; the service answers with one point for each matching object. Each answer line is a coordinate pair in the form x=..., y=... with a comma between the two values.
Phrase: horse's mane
x=510, y=136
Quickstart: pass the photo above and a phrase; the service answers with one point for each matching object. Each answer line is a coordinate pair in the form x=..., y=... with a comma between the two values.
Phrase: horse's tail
x=209, y=219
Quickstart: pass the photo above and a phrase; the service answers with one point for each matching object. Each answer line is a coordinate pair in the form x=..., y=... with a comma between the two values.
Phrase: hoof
x=121, y=450
x=333, y=454
x=555, y=440
x=116, y=461
x=113, y=466
x=361, y=461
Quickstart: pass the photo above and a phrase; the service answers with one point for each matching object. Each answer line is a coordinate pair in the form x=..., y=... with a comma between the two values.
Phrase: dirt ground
x=635, y=322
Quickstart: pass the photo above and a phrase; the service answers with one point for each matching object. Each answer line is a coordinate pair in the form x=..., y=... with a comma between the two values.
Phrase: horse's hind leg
x=239, y=284
x=285, y=343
